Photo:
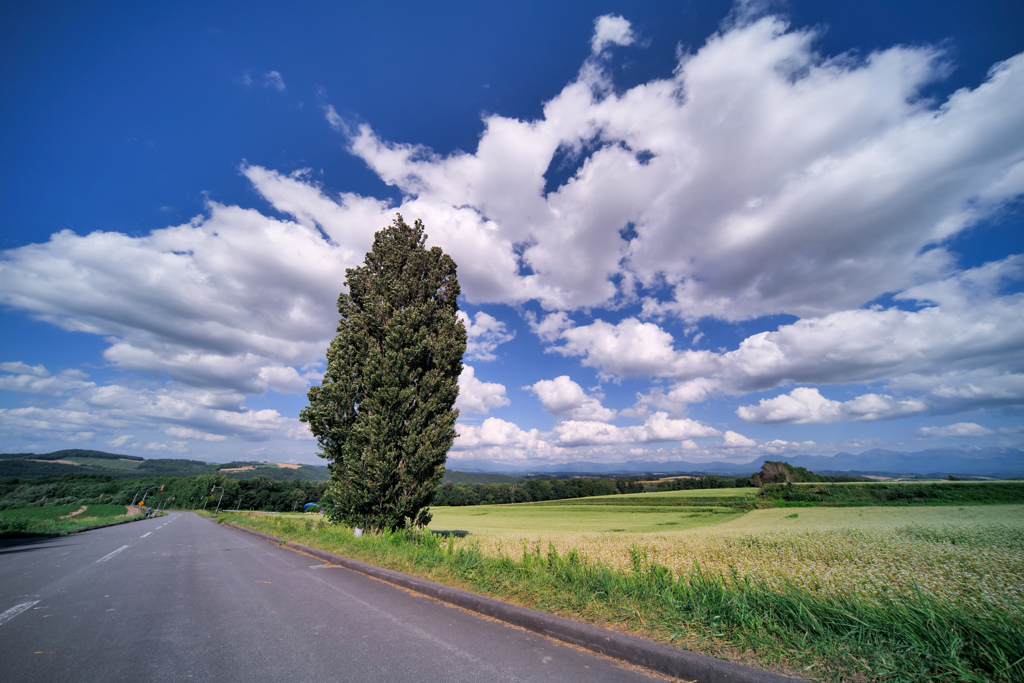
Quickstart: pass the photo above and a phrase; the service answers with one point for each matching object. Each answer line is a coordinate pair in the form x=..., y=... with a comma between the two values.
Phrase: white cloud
x=610, y=29
x=629, y=348
x=186, y=433
x=484, y=334
x=334, y=118
x=476, y=396
x=726, y=170
x=208, y=415
x=551, y=327
x=564, y=398
x=168, y=446
x=806, y=405
x=24, y=378
x=658, y=427
x=273, y=79
x=748, y=149
x=119, y=441
x=956, y=430
x=733, y=439
x=496, y=432
x=229, y=300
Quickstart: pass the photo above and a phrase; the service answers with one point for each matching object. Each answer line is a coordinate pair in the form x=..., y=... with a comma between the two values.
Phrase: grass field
x=40, y=513
x=109, y=463
x=47, y=520
x=973, y=554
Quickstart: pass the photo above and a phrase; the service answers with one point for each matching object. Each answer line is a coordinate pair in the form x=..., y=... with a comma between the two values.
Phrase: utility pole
x=144, y=494
x=219, y=499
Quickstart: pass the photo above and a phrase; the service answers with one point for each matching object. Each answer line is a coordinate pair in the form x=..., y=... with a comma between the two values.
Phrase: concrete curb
x=631, y=649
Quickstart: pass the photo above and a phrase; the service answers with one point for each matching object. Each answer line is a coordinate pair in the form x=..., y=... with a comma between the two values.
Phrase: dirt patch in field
x=76, y=512
x=288, y=466
x=132, y=510
x=59, y=462
x=237, y=469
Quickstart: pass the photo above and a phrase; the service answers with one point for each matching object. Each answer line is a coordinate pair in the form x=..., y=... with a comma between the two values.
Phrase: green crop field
x=41, y=513
x=47, y=520
x=973, y=554
x=110, y=463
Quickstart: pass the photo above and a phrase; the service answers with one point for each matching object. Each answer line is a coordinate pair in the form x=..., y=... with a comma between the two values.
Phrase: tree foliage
x=384, y=414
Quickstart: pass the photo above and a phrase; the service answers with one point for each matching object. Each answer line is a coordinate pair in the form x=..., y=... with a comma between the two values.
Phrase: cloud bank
x=759, y=178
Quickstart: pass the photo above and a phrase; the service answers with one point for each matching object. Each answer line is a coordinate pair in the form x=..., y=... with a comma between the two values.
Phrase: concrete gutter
x=661, y=658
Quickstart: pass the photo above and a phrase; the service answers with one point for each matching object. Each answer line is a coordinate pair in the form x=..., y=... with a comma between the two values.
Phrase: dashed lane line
x=145, y=534
x=110, y=555
x=15, y=611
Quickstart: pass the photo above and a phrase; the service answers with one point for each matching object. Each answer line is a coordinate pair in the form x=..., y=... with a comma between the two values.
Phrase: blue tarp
x=307, y=506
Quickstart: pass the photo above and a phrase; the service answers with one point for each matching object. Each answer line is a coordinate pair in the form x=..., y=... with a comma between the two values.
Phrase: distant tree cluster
x=256, y=493
x=779, y=472
x=708, y=482
x=454, y=494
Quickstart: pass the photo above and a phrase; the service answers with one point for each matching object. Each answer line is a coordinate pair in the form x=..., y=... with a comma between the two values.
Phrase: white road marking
x=107, y=557
x=15, y=611
x=145, y=534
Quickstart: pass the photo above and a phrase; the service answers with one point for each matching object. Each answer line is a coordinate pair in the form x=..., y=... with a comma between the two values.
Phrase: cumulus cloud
x=206, y=415
x=630, y=348
x=702, y=194
x=958, y=429
x=479, y=397
x=733, y=439
x=484, y=334
x=496, y=432
x=658, y=427
x=229, y=300
x=728, y=169
x=806, y=405
x=564, y=398
x=961, y=349
x=610, y=29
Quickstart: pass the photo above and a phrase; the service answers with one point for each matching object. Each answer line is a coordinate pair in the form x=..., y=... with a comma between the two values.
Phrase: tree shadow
x=22, y=544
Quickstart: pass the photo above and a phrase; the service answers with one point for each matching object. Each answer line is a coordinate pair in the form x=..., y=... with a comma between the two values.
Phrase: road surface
x=180, y=598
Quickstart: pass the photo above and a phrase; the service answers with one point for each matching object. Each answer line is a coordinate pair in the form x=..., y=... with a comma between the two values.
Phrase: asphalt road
x=180, y=598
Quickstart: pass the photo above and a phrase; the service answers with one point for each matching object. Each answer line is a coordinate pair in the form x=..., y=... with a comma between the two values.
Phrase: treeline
x=256, y=493
x=899, y=493
x=451, y=493
x=709, y=482
x=259, y=492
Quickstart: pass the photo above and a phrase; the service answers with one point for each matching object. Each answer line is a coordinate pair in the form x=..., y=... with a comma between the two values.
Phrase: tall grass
x=908, y=636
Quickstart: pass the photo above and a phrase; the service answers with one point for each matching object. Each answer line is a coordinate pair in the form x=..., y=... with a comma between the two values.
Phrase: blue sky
x=694, y=230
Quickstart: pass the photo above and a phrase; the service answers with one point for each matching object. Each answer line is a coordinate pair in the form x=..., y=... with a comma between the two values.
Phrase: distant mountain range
x=1001, y=463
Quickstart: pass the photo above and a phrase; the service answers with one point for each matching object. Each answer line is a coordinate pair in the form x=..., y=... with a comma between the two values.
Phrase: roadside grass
x=46, y=521
x=762, y=617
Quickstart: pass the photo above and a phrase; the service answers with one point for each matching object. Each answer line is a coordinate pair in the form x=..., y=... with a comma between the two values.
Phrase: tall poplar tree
x=384, y=414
